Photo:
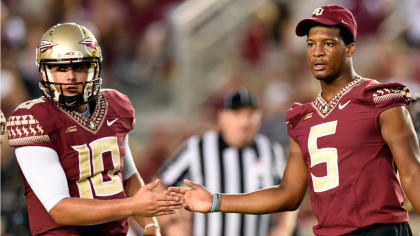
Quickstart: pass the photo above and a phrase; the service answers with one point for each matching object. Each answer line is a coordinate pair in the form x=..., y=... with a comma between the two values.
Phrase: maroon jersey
x=351, y=171
x=3, y=125
x=90, y=151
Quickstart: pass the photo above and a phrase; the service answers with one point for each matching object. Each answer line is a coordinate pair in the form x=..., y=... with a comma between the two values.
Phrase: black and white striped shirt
x=209, y=161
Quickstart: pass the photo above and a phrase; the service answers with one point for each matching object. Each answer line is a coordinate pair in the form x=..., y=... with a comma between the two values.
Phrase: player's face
x=70, y=73
x=239, y=126
x=326, y=53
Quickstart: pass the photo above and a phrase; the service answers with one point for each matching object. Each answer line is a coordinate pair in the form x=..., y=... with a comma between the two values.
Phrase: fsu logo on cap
x=89, y=42
x=318, y=11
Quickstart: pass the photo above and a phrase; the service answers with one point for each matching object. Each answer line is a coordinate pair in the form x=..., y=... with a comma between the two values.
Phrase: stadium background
x=175, y=60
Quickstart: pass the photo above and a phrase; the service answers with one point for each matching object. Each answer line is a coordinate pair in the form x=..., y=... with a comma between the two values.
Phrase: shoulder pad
x=31, y=123
x=121, y=104
x=294, y=112
x=29, y=104
x=383, y=93
x=293, y=116
x=384, y=96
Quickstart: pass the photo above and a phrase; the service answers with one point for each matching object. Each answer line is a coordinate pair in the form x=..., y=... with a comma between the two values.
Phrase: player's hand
x=147, y=204
x=197, y=199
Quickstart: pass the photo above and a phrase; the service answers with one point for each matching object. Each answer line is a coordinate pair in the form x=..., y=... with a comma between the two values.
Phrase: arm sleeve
x=129, y=168
x=44, y=173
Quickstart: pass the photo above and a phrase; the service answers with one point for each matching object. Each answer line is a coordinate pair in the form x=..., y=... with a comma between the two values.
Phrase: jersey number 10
x=101, y=187
x=327, y=155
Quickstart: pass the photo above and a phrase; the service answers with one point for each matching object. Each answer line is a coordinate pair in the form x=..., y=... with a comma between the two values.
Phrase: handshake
x=196, y=198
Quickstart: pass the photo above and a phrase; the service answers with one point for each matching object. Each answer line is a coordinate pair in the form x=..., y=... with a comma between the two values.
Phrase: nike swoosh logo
x=71, y=103
x=344, y=22
x=342, y=106
x=110, y=123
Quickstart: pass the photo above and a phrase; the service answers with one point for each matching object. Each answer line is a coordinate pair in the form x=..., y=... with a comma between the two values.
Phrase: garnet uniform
x=351, y=171
x=90, y=151
x=3, y=125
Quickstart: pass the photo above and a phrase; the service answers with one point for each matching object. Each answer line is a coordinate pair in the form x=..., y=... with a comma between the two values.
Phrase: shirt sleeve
x=292, y=119
x=129, y=168
x=31, y=124
x=44, y=173
x=388, y=97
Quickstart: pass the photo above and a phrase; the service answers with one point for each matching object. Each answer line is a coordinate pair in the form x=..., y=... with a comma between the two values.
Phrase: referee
x=234, y=159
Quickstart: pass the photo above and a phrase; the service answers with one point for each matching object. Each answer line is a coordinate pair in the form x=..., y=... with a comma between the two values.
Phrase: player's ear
x=351, y=48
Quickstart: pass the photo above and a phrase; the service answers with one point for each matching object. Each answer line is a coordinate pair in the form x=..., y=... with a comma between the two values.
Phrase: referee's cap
x=240, y=98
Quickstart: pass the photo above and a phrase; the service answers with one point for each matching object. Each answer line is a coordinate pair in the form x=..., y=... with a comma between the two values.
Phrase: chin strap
x=71, y=101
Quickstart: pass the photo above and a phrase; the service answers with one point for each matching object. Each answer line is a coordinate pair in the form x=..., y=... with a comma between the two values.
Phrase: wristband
x=216, y=203
x=152, y=224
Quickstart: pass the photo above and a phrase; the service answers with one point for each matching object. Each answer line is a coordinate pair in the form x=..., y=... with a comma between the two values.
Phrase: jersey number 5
x=327, y=155
x=101, y=187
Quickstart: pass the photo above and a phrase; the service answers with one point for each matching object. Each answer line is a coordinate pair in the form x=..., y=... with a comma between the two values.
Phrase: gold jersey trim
x=29, y=140
x=97, y=117
x=324, y=108
x=385, y=94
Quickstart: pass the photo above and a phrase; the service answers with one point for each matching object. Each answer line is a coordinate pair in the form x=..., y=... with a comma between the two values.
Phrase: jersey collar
x=324, y=108
x=95, y=121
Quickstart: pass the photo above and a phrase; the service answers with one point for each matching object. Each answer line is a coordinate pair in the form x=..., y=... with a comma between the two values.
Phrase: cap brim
x=302, y=27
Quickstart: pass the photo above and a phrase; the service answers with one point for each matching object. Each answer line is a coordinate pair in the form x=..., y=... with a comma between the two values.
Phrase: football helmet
x=69, y=43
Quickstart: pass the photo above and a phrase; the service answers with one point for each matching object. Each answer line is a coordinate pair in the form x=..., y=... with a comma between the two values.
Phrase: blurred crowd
x=136, y=39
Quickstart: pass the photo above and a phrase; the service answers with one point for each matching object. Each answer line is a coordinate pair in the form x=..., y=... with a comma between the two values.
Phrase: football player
x=3, y=126
x=72, y=146
x=346, y=145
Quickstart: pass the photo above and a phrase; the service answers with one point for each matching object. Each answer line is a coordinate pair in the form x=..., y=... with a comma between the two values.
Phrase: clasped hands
x=196, y=198
x=147, y=204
